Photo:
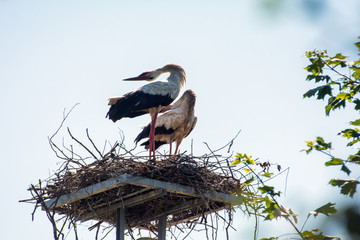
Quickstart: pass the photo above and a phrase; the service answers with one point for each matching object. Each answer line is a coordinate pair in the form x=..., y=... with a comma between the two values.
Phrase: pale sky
x=244, y=63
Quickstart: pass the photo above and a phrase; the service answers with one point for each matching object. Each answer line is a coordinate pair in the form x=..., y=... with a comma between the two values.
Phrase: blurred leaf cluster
x=338, y=83
x=260, y=199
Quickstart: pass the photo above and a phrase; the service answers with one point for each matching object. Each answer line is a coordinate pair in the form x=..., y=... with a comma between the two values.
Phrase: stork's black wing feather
x=136, y=103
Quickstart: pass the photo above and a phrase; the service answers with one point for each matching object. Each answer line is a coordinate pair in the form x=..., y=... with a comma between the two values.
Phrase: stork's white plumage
x=175, y=124
x=150, y=98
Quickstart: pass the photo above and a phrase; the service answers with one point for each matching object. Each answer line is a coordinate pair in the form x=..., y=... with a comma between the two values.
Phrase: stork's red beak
x=141, y=77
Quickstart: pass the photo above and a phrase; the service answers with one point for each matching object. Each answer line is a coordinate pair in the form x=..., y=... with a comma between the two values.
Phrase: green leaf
x=235, y=162
x=334, y=161
x=355, y=123
x=310, y=93
x=316, y=66
x=319, y=144
x=353, y=134
x=336, y=60
x=357, y=104
x=356, y=72
x=357, y=44
x=337, y=182
x=313, y=235
x=249, y=161
x=327, y=110
x=269, y=190
x=344, y=96
x=334, y=103
x=355, y=158
x=270, y=209
x=239, y=157
x=348, y=186
x=326, y=209
x=248, y=181
x=266, y=189
x=321, y=91
x=339, y=56
x=266, y=174
x=247, y=170
x=345, y=169
x=318, y=78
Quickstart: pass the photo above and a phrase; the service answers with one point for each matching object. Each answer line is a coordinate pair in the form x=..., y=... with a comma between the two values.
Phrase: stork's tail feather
x=130, y=105
x=157, y=144
x=143, y=134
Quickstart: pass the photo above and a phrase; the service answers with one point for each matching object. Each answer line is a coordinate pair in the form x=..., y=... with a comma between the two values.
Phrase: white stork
x=150, y=98
x=174, y=125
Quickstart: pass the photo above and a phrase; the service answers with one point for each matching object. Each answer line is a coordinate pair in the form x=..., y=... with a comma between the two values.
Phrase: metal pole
x=120, y=224
x=162, y=227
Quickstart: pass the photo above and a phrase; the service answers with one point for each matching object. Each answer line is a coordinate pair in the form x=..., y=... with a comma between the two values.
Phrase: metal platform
x=169, y=203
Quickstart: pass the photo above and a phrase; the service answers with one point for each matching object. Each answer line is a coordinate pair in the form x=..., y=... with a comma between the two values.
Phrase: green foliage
x=269, y=190
x=355, y=123
x=319, y=144
x=266, y=174
x=355, y=158
x=321, y=92
x=338, y=161
x=259, y=200
x=326, y=209
x=348, y=186
x=315, y=235
x=338, y=81
x=347, y=84
x=334, y=161
x=239, y=157
x=352, y=134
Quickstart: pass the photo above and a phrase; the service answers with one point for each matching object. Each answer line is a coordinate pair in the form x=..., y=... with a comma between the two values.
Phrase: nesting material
x=144, y=204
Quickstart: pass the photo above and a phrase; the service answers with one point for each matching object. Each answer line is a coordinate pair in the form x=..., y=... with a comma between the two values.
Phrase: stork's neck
x=177, y=74
x=176, y=78
x=171, y=86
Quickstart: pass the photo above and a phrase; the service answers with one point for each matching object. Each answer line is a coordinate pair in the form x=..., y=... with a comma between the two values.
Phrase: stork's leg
x=177, y=146
x=173, y=157
x=151, y=141
x=152, y=136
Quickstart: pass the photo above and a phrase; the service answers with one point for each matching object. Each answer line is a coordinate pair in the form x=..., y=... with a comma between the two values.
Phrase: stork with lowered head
x=174, y=125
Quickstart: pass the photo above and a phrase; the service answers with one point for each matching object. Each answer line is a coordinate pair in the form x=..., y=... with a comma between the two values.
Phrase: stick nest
x=184, y=170
x=197, y=172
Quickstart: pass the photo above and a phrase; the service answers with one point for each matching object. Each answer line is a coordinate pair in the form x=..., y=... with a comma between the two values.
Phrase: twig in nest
x=81, y=144
x=53, y=146
x=87, y=133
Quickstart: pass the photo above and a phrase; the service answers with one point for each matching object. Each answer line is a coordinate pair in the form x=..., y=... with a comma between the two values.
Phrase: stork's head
x=174, y=69
x=147, y=76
